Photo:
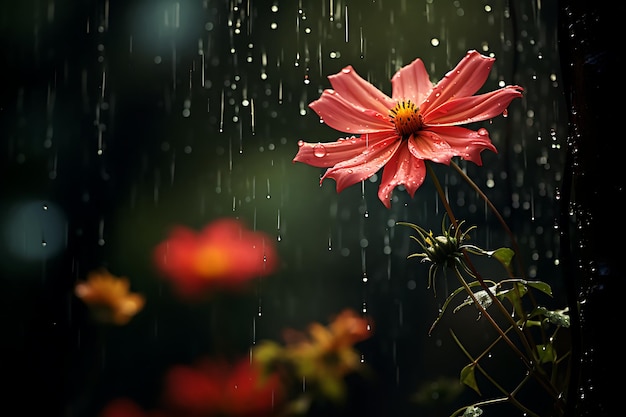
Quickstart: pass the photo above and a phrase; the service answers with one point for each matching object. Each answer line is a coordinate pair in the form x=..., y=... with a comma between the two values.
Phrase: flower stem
x=507, y=230
x=484, y=312
x=496, y=213
x=510, y=396
x=534, y=368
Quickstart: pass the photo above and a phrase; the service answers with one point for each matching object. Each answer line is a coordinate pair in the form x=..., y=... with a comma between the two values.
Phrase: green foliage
x=468, y=377
x=528, y=329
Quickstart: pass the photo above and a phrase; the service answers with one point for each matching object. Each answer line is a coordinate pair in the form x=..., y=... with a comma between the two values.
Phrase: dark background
x=120, y=119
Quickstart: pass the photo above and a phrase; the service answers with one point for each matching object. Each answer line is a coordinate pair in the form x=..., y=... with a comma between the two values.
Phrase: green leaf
x=443, y=309
x=504, y=255
x=472, y=411
x=332, y=386
x=515, y=293
x=541, y=286
x=546, y=353
x=468, y=377
x=449, y=300
x=482, y=297
x=512, y=294
x=557, y=317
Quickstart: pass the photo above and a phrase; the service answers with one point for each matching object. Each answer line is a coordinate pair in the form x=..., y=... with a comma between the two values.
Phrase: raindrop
x=319, y=150
x=101, y=233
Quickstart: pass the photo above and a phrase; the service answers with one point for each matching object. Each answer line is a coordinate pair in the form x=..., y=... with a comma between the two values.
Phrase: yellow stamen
x=406, y=117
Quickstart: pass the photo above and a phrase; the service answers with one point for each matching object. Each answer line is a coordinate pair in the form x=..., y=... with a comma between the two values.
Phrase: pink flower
x=420, y=122
x=225, y=254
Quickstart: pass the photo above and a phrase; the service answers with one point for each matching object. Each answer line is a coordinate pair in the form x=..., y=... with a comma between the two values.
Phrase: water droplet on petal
x=319, y=150
x=483, y=132
x=300, y=143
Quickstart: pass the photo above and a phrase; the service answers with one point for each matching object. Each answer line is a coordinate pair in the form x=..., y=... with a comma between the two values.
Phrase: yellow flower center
x=406, y=117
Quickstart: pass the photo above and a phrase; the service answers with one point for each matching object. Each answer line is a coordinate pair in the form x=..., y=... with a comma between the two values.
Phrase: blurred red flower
x=125, y=407
x=224, y=254
x=108, y=297
x=219, y=388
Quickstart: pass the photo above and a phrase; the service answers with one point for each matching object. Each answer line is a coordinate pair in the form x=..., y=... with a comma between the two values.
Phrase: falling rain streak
x=158, y=114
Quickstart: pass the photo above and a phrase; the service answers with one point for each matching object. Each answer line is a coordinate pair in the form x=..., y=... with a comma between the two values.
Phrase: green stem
x=510, y=234
x=535, y=369
x=495, y=211
x=510, y=397
x=501, y=333
x=470, y=265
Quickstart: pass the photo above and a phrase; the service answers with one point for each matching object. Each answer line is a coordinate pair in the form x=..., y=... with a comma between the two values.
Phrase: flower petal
x=430, y=146
x=108, y=297
x=411, y=82
x=125, y=407
x=324, y=155
x=402, y=169
x=464, y=80
x=473, y=109
x=356, y=106
x=349, y=85
x=346, y=116
x=466, y=143
x=190, y=390
x=363, y=165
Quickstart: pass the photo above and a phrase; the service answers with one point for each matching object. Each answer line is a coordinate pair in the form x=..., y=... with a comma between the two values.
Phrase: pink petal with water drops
x=324, y=155
x=464, y=80
x=364, y=165
x=411, y=82
x=467, y=143
x=429, y=145
x=355, y=106
x=352, y=87
x=402, y=169
x=473, y=109
x=346, y=116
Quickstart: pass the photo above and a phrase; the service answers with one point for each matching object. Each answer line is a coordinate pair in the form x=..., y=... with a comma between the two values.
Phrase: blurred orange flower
x=329, y=350
x=224, y=254
x=324, y=355
x=218, y=388
x=108, y=297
